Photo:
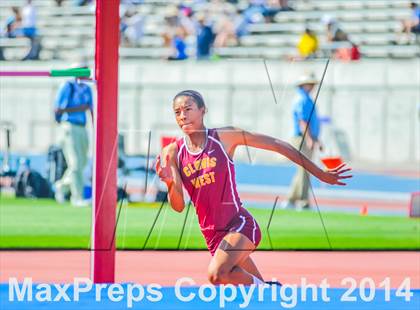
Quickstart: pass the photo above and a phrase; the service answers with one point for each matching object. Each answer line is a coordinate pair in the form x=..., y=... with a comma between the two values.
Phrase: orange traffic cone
x=364, y=210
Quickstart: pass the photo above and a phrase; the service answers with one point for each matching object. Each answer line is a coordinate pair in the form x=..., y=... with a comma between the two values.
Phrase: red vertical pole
x=105, y=150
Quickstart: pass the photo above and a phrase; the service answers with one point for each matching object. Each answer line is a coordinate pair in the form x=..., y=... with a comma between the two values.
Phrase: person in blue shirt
x=74, y=98
x=178, y=45
x=305, y=119
x=414, y=24
x=411, y=25
x=205, y=38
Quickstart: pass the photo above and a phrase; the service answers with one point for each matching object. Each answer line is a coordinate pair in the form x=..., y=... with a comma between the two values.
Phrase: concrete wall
x=374, y=104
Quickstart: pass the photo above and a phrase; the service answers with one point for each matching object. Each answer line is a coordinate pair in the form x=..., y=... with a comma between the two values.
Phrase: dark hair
x=413, y=5
x=195, y=95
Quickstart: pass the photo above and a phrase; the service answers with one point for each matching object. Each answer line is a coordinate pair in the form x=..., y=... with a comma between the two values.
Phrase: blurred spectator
x=254, y=12
x=265, y=10
x=59, y=2
x=348, y=53
x=308, y=44
x=225, y=30
x=355, y=52
x=29, y=20
x=258, y=11
x=339, y=43
x=284, y=5
x=334, y=32
x=175, y=33
x=14, y=24
x=29, y=30
x=179, y=46
x=412, y=25
x=132, y=27
x=173, y=24
x=205, y=37
x=185, y=14
x=242, y=22
x=74, y=98
x=272, y=7
x=23, y=24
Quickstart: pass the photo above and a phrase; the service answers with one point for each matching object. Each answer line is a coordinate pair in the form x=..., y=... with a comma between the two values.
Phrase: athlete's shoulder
x=230, y=137
x=226, y=128
x=229, y=133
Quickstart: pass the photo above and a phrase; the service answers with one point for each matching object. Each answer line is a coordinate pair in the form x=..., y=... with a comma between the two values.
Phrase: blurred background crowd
x=213, y=29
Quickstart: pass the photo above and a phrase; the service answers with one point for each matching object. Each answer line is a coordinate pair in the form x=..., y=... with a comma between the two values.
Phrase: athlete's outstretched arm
x=232, y=137
x=167, y=171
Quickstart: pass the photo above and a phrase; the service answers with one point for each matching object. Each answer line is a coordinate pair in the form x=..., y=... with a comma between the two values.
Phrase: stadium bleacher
x=67, y=32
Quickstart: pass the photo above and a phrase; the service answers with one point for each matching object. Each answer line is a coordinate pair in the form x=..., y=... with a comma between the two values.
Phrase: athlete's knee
x=218, y=274
x=217, y=277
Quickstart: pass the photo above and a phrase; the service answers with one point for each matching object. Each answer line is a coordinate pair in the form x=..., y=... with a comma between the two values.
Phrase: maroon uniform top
x=209, y=178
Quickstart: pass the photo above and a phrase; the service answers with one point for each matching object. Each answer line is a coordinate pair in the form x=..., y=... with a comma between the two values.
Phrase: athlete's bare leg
x=249, y=266
x=230, y=262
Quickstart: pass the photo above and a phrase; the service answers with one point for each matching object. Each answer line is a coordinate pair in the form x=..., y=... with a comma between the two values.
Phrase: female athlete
x=201, y=161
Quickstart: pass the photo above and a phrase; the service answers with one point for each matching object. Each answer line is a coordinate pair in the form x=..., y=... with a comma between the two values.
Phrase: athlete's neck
x=197, y=139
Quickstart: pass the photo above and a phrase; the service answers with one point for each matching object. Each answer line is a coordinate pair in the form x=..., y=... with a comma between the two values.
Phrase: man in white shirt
x=29, y=19
x=29, y=30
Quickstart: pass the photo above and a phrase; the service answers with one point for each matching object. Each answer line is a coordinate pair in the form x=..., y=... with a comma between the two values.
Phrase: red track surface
x=165, y=267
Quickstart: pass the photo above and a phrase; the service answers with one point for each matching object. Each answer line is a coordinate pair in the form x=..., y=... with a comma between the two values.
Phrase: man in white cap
x=74, y=98
x=306, y=127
